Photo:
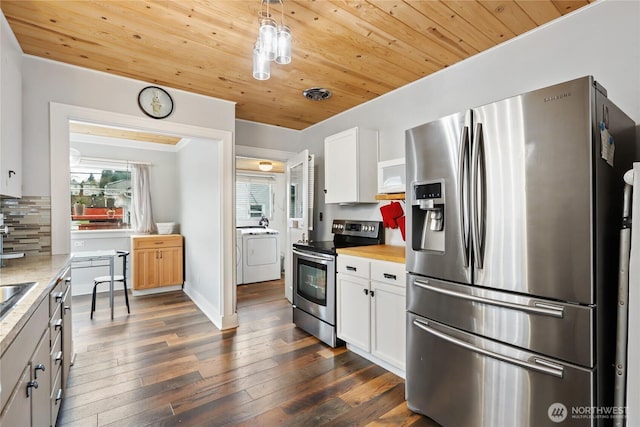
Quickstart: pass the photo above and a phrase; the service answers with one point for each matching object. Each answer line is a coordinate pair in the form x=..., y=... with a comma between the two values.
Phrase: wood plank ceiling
x=357, y=49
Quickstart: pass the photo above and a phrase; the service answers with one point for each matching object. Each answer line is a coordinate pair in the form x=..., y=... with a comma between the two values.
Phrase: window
x=253, y=199
x=100, y=197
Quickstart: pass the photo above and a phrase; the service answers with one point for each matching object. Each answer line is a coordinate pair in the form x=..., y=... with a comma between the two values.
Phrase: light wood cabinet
x=371, y=308
x=157, y=261
x=351, y=166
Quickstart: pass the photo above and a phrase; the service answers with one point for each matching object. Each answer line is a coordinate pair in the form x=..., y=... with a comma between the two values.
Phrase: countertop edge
x=44, y=270
x=388, y=253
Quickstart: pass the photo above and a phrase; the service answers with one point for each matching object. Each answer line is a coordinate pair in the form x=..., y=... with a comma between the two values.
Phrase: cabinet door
x=341, y=167
x=353, y=310
x=145, y=268
x=388, y=328
x=11, y=129
x=170, y=266
x=40, y=402
x=17, y=412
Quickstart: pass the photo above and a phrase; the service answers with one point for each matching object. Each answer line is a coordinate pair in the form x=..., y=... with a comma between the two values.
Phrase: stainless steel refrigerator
x=513, y=213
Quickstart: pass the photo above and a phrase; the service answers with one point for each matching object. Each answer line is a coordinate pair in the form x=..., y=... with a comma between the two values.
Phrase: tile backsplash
x=29, y=222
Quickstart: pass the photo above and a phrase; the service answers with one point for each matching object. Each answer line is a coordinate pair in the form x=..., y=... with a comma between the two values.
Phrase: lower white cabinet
x=35, y=366
x=371, y=308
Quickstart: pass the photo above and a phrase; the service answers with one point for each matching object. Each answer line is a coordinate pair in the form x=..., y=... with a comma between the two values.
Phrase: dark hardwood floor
x=165, y=364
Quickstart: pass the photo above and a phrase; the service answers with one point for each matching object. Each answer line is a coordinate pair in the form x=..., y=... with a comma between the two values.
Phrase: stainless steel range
x=314, y=276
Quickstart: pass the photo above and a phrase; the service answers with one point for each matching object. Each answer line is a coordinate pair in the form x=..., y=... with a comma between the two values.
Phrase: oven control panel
x=356, y=228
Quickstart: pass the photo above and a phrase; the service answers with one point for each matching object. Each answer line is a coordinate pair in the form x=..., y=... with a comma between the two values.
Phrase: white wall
x=267, y=136
x=200, y=213
x=59, y=90
x=47, y=81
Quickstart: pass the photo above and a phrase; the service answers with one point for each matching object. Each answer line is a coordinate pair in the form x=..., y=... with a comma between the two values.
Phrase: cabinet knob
x=58, y=324
x=31, y=384
x=66, y=308
x=58, y=296
x=371, y=293
x=366, y=291
x=58, y=357
x=11, y=173
x=350, y=268
x=59, y=396
x=390, y=276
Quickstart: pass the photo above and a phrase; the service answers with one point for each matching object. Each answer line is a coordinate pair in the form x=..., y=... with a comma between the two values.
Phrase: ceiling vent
x=317, y=94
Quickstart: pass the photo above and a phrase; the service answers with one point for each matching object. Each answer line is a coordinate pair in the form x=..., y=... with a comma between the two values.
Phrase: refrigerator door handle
x=538, y=364
x=543, y=309
x=476, y=231
x=463, y=201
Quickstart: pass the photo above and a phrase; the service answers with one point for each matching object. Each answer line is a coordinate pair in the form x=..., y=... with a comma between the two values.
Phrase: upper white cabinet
x=350, y=166
x=10, y=113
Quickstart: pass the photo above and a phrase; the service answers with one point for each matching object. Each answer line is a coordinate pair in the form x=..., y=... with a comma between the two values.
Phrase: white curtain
x=142, y=214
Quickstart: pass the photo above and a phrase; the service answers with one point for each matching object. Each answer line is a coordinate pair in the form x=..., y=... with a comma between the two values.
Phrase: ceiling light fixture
x=265, y=166
x=273, y=44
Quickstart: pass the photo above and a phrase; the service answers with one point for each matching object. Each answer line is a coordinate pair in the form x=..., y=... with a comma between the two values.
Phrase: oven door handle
x=313, y=256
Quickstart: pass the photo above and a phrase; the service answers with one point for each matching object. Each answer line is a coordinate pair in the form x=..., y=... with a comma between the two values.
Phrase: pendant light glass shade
x=261, y=67
x=283, y=54
x=274, y=41
x=268, y=36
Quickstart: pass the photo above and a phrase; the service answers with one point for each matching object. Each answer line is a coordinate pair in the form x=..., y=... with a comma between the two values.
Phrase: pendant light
x=274, y=41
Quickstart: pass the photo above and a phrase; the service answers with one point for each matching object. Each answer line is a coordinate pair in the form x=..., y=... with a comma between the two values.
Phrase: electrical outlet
x=78, y=243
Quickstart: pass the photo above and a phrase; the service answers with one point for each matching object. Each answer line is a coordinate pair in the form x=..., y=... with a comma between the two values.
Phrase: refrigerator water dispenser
x=428, y=216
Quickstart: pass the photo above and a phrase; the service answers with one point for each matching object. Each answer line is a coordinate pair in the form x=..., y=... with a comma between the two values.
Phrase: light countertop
x=43, y=269
x=381, y=252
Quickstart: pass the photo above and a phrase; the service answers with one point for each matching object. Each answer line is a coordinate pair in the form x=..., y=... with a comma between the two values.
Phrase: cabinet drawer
x=56, y=397
x=388, y=272
x=55, y=323
x=56, y=354
x=56, y=295
x=353, y=265
x=152, y=242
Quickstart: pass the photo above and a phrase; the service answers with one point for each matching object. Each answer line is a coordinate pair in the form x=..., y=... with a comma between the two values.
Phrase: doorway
x=261, y=194
x=208, y=181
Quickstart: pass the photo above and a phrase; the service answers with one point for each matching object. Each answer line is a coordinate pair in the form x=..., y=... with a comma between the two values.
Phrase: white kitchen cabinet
x=24, y=367
x=61, y=350
x=371, y=309
x=354, y=311
x=10, y=113
x=351, y=166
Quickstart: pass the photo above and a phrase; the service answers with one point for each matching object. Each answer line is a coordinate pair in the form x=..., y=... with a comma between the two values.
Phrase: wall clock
x=155, y=102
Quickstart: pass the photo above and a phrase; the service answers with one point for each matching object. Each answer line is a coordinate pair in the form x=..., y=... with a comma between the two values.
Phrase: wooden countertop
x=43, y=269
x=381, y=252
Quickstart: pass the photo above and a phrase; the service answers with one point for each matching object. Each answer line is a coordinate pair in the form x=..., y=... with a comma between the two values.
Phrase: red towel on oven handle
x=390, y=213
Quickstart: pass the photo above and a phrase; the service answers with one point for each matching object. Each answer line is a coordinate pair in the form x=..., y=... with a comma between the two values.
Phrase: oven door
x=314, y=284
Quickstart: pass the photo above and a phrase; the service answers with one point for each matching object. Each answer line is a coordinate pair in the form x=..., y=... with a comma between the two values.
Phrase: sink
x=11, y=294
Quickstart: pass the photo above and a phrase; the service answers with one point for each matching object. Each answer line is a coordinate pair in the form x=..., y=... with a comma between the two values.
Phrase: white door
x=299, y=182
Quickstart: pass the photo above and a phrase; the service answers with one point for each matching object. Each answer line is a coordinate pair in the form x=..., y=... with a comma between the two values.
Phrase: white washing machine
x=258, y=255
